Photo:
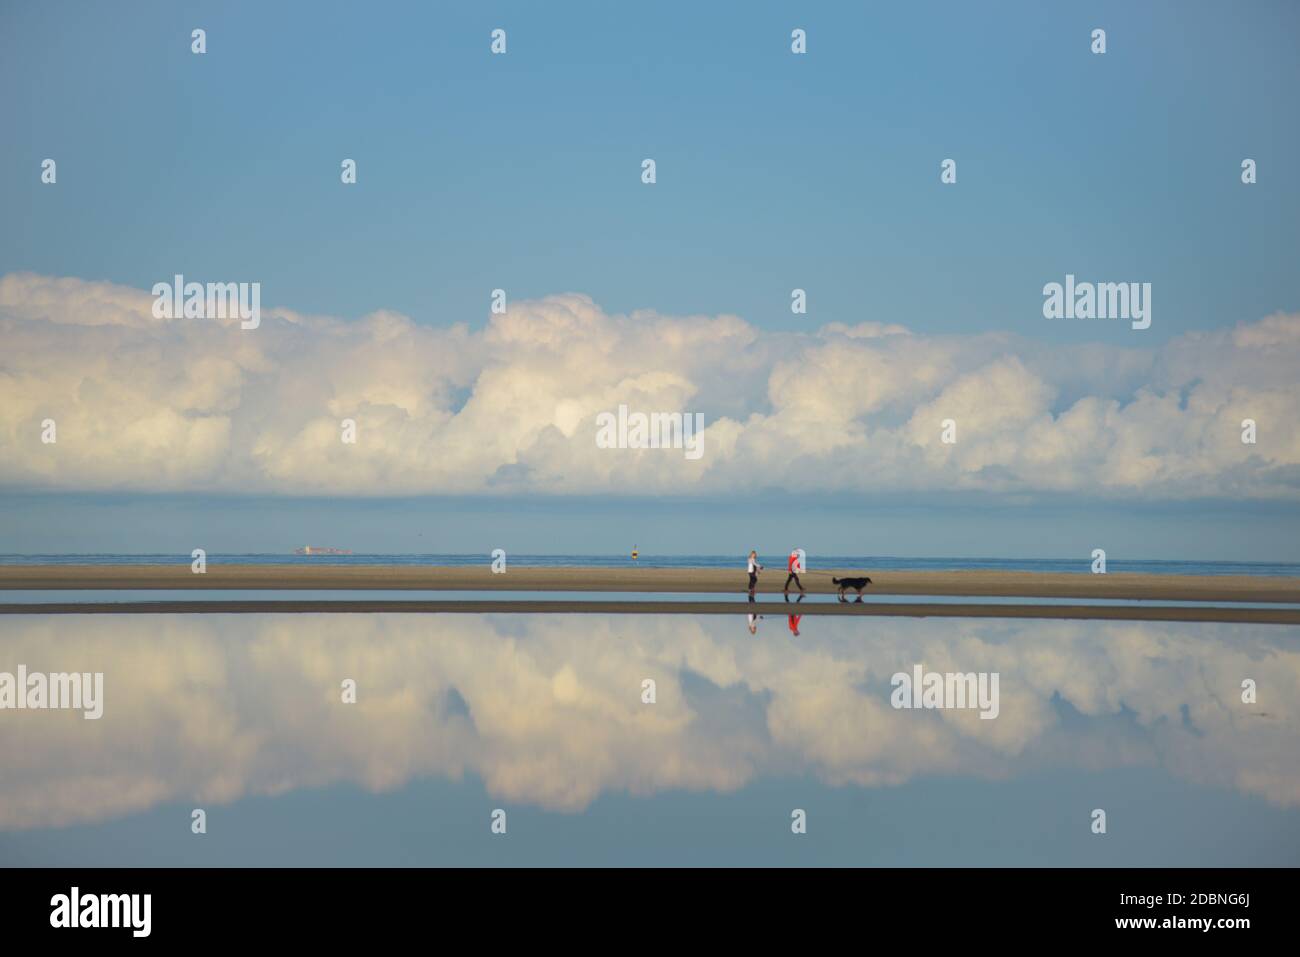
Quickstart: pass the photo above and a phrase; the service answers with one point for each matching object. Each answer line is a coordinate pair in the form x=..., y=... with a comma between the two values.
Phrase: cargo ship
x=321, y=550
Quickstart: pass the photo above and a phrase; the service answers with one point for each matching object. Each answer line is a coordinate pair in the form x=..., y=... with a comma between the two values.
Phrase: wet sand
x=966, y=583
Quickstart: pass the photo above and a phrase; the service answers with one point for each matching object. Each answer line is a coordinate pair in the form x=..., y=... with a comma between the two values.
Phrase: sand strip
x=970, y=583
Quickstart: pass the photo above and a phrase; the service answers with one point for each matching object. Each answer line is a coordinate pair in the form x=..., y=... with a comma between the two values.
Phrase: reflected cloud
x=548, y=710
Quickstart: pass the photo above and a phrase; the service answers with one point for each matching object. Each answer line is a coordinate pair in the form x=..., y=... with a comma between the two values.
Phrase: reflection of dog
x=855, y=583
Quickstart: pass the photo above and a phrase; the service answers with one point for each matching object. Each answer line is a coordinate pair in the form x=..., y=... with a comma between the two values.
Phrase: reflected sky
x=543, y=716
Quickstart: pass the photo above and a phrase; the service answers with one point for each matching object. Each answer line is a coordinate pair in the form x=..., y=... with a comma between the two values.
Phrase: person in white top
x=754, y=569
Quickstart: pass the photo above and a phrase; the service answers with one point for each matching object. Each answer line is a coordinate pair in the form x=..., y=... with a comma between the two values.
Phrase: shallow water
x=543, y=717
x=766, y=602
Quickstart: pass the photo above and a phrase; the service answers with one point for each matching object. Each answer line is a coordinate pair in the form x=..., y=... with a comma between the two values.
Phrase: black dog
x=855, y=583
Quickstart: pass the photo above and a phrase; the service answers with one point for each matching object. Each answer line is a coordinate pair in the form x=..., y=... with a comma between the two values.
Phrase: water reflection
x=549, y=711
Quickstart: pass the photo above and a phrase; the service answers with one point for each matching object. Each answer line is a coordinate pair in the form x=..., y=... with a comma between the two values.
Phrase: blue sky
x=979, y=528
x=775, y=171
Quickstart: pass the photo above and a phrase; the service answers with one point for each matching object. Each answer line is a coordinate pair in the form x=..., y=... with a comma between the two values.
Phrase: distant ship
x=320, y=550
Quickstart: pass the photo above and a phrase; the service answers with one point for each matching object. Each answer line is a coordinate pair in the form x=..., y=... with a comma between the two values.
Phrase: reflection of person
x=794, y=565
x=754, y=569
x=753, y=623
x=794, y=624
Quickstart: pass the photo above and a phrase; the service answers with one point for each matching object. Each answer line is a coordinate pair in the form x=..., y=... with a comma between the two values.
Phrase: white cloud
x=201, y=405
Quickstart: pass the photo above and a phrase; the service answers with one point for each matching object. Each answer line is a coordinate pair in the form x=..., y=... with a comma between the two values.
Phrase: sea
x=1081, y=565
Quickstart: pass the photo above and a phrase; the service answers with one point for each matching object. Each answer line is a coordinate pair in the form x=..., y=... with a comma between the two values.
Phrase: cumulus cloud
x=547, y=710
x=147, y=404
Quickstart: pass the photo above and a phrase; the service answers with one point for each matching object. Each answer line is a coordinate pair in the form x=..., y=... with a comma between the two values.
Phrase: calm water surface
x=543, y=717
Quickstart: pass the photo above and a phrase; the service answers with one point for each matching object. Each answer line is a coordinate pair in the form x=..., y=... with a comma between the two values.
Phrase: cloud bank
x=147, y=404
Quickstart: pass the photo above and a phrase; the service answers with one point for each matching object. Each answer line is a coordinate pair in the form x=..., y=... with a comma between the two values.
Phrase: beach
x=771, y=609
x=965, y=583
x=980, y=584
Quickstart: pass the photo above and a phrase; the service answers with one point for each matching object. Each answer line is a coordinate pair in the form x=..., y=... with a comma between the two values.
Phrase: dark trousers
x=793, y=578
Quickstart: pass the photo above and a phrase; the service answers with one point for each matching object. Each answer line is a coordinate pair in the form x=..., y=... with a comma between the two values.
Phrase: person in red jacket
x=794, y=624
x=794, y=565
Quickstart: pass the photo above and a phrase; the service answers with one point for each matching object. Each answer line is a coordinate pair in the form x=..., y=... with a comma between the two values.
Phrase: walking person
x=794, y=565
x=754, y=569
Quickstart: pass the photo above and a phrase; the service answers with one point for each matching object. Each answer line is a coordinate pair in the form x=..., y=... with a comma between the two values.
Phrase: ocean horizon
x=1082, y=566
